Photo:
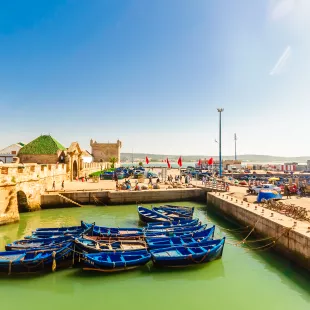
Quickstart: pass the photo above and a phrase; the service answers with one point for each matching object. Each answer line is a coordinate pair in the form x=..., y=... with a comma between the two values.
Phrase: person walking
x=287, y=192
x=53, y=186
x=63, y=185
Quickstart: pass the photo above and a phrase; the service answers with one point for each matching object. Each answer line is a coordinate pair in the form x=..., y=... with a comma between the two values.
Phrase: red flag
x=147, y=160
x=168, y=163
x=199, y=162
x=210, y=161
x=180, y=161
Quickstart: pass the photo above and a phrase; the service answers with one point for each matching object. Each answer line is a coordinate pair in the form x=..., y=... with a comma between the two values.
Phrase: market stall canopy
x=273, y=179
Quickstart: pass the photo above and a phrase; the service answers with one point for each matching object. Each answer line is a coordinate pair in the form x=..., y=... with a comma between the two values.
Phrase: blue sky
x=152, y=73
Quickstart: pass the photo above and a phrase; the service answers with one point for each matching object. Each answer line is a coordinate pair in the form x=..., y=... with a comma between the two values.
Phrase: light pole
x=235, y=138
x=220, y=110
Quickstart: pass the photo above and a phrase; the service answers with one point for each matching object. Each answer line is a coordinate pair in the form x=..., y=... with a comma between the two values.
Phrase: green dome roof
x=44, y=145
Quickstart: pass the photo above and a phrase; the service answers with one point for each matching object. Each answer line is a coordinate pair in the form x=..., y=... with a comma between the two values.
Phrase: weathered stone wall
x=103, y=151
x=8, y=204
x=39, y=159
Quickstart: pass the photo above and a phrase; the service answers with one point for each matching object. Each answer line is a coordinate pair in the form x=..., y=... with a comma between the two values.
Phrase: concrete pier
x=121, y=197
x=292, y=237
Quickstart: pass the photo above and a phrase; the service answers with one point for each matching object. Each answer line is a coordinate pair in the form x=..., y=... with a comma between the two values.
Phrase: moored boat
x=174, y=232
x=147, y=215
x=38, y=244
x=178, y=223
x=187, y=212
x=116, y=232
x=62, y=231
x=183, y=256
x=173, y=229
x=172, y=214
x=91, y=246
x=158, y=243
x=115, y=261
x=28, y=262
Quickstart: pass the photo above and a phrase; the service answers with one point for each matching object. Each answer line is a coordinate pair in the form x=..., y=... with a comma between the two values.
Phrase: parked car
x=151, y=174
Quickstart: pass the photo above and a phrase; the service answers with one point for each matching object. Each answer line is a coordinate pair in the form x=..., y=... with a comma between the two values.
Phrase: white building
x=86, y=157
x=7, y=154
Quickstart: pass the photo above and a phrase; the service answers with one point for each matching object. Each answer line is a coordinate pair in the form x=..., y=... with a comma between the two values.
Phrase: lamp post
x=235, y=138
x=220, y=110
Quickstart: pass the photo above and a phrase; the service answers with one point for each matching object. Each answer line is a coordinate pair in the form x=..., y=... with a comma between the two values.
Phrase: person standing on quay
x=53, y=186
x=63, y=185
x=287, y=191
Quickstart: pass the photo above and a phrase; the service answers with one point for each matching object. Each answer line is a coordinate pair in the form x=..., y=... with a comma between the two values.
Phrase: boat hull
x=15, y=262
x=170, y=257
x=114, y=262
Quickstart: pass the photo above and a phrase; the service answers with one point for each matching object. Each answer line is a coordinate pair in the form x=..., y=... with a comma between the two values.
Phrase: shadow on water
x=272, y=260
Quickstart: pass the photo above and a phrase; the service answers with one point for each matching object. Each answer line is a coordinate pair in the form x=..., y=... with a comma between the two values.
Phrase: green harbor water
x=242, y=279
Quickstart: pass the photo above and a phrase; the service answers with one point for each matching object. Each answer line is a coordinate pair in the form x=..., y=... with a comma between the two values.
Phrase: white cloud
x=282, y=61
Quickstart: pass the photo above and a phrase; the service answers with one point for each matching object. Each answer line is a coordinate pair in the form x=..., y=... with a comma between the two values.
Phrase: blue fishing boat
x=179, y=223
x=38, y=244
x=175, y=232
x=183, y=256
x=147, y=215
x=171, y=229
x=158, y=243
x=201, y=233
x=116, y=232
x=180, y=208
x=172, y=214
x=92, y=246
x=186, y=212
x=61, y=231
x=12, y=262
x=115, y=261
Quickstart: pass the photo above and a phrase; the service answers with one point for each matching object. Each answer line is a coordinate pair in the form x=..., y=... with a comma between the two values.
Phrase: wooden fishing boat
x=74, y=231
x=116, y=232
x=91, y=246
x=62, y=231
x=35, y=261
x=158, y=243
x=172, y=214
x=110, y=239
x=185, y=212
x=147, y=215
x=183, y=256
x=115, y=261
x=173, y=229
x=178, y=223
x=174, y=232
x=38, y=244
x=189, y=210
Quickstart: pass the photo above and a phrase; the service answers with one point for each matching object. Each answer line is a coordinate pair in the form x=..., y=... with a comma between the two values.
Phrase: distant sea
x=192, y=164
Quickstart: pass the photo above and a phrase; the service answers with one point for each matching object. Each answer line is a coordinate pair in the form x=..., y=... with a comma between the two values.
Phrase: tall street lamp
x=235, y=138
x=220, y=110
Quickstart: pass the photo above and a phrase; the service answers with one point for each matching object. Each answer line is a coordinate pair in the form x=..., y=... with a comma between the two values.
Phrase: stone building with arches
x=46, y=150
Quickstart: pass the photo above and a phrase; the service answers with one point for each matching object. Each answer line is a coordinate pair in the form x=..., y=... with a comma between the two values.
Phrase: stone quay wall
x=121, y=197
x=292, y=239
